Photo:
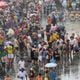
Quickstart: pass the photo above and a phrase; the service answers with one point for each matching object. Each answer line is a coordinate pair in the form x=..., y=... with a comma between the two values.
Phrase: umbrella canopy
x=7, y=43
x=3, y=4
x=50, y=65
x=34, y=14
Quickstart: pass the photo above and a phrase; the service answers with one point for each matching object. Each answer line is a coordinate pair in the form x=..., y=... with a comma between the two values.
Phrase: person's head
x=39, y=74
x=58, y=43
x=7, y=75
x=22, y=69
x=71, y=37
x=22, y=59
x=46, y=71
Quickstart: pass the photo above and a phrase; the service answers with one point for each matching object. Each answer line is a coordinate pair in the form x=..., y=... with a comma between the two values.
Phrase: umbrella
x=34, y=14
x=50, y=65
x=7, y=43
x=3, y=4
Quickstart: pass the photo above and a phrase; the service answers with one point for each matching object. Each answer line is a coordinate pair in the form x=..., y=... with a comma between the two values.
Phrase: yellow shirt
x=53, y=37
x=9, y=49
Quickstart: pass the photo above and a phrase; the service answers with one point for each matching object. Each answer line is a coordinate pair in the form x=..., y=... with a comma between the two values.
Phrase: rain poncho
x=53, y=37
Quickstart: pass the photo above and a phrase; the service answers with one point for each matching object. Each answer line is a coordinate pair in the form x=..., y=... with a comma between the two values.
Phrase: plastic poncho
x=53, y=37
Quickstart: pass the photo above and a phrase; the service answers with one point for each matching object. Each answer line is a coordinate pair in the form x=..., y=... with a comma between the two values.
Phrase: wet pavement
x=72, y=72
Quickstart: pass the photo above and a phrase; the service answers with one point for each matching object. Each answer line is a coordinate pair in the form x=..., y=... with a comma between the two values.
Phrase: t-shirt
x=9, y=49
x=72, y=42
x=38, y=78
x=46, y=78
x=21, y=64
x=22, y=75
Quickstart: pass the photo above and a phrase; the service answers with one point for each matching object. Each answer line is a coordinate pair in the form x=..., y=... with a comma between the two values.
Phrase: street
x=39, y=40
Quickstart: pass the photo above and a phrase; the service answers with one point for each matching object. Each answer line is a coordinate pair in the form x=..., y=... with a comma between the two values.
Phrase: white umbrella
x=7, y=43
x=34, y=14
x=50, y=65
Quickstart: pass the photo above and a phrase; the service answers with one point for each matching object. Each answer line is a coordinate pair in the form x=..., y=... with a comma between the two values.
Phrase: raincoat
x=53, y=37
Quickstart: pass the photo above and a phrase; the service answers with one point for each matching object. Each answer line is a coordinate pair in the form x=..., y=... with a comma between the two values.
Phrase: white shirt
x=21, y=64
x=22, y=74
x=29, y=38
x=75, y=42
x=72, y=42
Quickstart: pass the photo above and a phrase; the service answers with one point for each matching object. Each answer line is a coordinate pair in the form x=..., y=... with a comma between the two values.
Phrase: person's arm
x=10, y=79
x=5, y=78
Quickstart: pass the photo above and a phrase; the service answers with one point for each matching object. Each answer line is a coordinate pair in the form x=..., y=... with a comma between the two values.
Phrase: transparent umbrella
x=50, y=65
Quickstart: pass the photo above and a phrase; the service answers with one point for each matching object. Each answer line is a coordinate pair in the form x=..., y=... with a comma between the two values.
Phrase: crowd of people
x=24, y=41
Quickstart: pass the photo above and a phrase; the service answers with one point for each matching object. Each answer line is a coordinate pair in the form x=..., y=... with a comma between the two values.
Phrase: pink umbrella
x=3, y=4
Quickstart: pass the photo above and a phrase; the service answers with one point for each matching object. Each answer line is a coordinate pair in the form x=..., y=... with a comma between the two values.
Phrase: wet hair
x=22, y=69
x=58, y=43
x=46, y=71
x=40, y=74
x=21, y=58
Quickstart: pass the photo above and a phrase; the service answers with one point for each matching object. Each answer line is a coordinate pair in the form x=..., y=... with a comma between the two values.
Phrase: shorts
x=10, y=56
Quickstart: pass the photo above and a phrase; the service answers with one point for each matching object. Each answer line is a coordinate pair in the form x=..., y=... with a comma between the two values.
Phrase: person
x=52, y=75
x=10, y=50
x=22, y=75
x=39, y=77
x=21, y=63
x=49, y=21
x=32, y=74
x=46, y=76
x=7, y=77
x=54, y=20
